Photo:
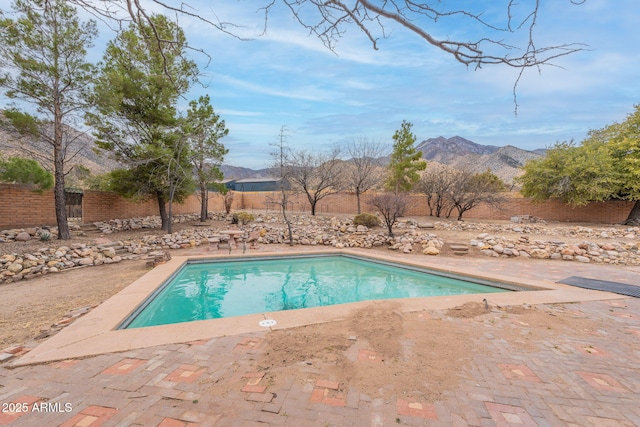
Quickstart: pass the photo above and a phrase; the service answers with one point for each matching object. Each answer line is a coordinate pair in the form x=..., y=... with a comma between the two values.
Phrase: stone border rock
x=622, y=253
x=318, y=231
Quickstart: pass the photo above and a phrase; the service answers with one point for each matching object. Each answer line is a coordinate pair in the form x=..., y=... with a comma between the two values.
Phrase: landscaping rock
x=22, y=237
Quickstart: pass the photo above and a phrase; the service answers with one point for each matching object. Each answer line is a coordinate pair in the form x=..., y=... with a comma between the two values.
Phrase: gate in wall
x=73, y=199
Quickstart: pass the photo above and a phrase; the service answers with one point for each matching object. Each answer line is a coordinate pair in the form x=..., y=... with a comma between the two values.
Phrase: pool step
x=459, y=249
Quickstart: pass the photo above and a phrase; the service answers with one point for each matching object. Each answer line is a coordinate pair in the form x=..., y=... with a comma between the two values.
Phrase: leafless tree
x=316, y=174
x=364, y=169
x=331, y=19
x=281, y=170
x=391, y=206
x=228, y=201
x=469, y=189
x=436, y=183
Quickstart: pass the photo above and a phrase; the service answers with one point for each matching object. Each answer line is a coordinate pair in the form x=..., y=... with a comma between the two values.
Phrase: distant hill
x=460, y=153
x=238, y=172
x=456, y=152
x=82, y=151
x=445, y=150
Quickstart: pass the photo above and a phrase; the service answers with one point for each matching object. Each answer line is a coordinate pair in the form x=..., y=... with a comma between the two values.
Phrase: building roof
x=249, y=180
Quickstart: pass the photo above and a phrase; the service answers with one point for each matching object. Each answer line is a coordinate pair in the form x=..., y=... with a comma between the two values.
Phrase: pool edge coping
x=95, y=333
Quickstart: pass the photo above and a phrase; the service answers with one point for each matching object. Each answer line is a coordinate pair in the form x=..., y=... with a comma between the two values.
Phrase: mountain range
x=80, y=151
x=456, y=152
x=460, y=153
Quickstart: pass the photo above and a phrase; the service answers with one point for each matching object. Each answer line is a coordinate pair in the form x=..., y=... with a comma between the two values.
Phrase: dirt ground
x=30, y=307
x=419, y=354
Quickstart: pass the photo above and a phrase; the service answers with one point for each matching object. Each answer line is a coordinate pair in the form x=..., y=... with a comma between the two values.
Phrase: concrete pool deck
x=96, y=332
x=564, y=381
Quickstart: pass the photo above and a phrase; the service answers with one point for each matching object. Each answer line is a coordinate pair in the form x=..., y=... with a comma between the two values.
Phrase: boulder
x=23, y=236
x=539, y=253
x=431, y=250
x=15, y=267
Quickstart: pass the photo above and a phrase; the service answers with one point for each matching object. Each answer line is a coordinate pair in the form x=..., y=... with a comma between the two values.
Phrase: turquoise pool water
x=220, y=289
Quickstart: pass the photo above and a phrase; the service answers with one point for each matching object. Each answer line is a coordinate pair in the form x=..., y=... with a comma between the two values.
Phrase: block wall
x=609, y=212
x=104, y=206
x=22, y=207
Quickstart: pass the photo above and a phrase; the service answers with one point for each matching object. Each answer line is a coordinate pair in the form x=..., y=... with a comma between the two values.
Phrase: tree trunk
x=358, y=199
x=163, y=211
x=170, y=215
x=283, y=205
x=390, y=228
x=204, y=206
x=313, y=207
x=634, y=215
x=60, y=198
x=430, y=203
x=61, y=205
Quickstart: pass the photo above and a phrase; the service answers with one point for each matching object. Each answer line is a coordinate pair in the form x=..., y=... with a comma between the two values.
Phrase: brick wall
x=609, y=212
x=21, y=207
x=103, y=206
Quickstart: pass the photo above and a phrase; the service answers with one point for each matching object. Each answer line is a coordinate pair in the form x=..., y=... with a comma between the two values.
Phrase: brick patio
x=555, y=382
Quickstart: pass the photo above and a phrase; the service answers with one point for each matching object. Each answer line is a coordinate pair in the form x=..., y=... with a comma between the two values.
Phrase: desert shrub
x=367, y=219
x=242, y=217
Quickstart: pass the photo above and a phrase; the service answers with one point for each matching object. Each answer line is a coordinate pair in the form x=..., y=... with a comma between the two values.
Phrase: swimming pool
x=212, y=289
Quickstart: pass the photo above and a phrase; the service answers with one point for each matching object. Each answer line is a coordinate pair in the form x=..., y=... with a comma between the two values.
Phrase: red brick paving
x=16, y=408
x=93, y=416
x=171, y=422
x=64, y=364
x=416, y=409
x=591, y=350
x=519, y=372
x=332, y=385
x=124, y=367
x=249, y=344
x=507, y=415
x=602, y=382
x=553, y=382
x=368, y=356
x=185, y=374
x=327, y=392
x=252, y=388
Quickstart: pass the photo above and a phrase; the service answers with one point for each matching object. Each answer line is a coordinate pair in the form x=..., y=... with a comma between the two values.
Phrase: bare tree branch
x=329, y=20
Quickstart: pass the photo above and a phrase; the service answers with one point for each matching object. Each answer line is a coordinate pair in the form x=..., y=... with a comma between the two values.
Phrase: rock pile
x=411, y=237
x=115, y=225
x=15, y=267
x=547, y=229
x=624, y=253
x=37, y=233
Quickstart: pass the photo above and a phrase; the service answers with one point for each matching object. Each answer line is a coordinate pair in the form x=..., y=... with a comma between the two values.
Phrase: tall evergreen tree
x=203, y=130
x=43, y=62
x=135, y=117
x=405, y=162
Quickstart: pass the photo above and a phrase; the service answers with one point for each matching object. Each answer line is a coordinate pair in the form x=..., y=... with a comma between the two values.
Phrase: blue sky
x=287, y=77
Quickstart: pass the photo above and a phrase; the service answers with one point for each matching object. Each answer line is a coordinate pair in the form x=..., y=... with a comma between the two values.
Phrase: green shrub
x=45, y=236
x=366, y=219
x=242, y=217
